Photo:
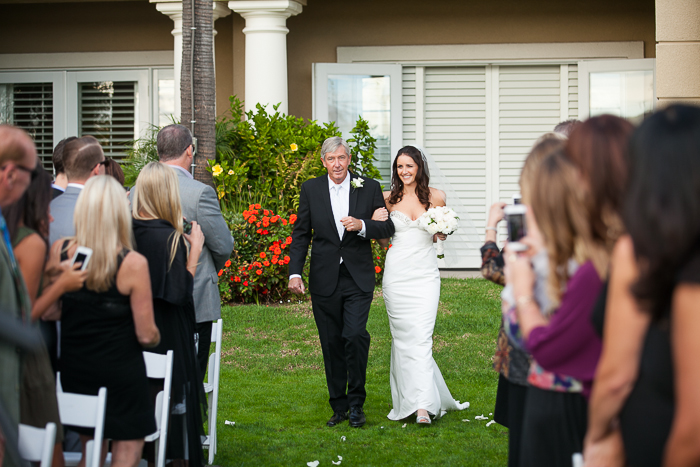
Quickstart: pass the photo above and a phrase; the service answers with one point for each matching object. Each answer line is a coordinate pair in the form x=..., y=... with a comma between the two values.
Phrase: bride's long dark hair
x=422, y=178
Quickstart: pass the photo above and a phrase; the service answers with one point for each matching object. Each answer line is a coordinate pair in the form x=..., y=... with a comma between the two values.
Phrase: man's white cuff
x=292, y=276
x=363, y=230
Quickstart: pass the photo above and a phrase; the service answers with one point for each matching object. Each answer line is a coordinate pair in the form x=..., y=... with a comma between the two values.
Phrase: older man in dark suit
x=199, y=203
x=335, y=211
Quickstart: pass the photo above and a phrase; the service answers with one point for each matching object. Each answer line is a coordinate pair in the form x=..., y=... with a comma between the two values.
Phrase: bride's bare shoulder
x=437, y=197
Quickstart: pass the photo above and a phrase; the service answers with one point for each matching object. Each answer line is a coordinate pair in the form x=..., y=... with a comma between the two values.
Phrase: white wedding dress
x=411, y=290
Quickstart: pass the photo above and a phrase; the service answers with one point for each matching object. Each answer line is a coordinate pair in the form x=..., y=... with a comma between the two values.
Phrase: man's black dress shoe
x=357, y=416
x=338, y=417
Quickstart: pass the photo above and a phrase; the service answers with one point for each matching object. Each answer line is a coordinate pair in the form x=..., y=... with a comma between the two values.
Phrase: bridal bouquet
x=439, y=219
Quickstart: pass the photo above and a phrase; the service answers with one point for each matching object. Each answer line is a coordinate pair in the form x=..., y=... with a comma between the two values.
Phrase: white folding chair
x=36, y=444
x=84, y=411
x=211, y=388
x=160, y=367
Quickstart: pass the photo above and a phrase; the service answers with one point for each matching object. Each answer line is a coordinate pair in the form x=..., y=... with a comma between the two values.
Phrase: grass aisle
x=273, y=387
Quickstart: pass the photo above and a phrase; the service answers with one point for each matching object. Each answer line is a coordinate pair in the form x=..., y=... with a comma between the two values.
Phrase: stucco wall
x=323, y=26
x=327, y=24
x=105, y=26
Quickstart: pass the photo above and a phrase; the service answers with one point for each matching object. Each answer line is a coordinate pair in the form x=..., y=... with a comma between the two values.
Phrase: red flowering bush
x=257, y=271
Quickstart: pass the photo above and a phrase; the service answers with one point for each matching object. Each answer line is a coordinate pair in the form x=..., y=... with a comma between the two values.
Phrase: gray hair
x=172, y=141
x=333, y=143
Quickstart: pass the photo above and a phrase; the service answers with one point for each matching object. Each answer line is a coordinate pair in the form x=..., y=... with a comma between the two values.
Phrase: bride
x=411, y=290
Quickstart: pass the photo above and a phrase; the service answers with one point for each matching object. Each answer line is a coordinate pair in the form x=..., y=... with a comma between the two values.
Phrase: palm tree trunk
x=198, y=88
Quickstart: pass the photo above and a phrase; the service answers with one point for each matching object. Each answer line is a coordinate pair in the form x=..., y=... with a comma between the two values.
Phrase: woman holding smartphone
x=158, y=230
x=558, y=334
x=106, y=324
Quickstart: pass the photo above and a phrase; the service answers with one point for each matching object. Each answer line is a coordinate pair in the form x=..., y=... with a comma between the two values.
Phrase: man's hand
x=351, y=224
x=296, y=285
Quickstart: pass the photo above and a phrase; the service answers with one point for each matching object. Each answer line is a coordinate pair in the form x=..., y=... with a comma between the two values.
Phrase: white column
x=266, y=50
x=173, y=9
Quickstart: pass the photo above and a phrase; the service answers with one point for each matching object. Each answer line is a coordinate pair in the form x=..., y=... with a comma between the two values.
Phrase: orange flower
x=251, y=219
x=257, y=224
x=284, y=222
x=377, y=269
x=266, y=212
x=257, y=206
x=257, y=264
x=237, y=279
x=251, y=207
x=292, y=218
x=221, y=271
x=283, y=246
x=274, y=219
x=266, y=223
x=246, y=214
x=227, y=263
x=289, y=240
x=260, y=231
x=286, y=260
x=274, y=260
x=265, y=232
x=258, y=272
x=263, y=254
x=266, y=263
x=245, y=283
x=277, y=251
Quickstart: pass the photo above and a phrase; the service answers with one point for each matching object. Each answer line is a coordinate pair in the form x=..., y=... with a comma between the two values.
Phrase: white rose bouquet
x=439, y=219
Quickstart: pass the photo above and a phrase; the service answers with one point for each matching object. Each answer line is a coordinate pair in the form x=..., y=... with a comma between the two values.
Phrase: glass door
x=625, y=88
x=344, y=91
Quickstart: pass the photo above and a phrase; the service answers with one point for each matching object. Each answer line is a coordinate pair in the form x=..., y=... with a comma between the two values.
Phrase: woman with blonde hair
x=557, y=330
x=106, y=324
x=158, y=229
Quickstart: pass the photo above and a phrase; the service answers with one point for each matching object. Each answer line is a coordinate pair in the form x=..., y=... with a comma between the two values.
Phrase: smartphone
x=186, y=226
x=517, y=226
x=82, y=255
x=517, y=198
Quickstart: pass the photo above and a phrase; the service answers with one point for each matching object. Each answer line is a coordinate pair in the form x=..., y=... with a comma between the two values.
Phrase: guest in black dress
x=158, y=231
x=107, y=323
x=660, y=422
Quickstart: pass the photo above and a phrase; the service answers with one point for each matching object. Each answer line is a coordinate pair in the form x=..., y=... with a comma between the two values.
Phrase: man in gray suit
x=82, y=158
x=199, y=203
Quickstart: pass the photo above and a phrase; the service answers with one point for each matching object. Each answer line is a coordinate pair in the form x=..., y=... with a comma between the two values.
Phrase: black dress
x=99, y=348
x=173, y=307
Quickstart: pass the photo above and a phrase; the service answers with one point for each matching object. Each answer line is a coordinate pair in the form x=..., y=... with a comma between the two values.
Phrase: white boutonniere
x=357, y=182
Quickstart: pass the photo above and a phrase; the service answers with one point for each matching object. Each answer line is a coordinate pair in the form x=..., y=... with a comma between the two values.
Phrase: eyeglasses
x=20, y=167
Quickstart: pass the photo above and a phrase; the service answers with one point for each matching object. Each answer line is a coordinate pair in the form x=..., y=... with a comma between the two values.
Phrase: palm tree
x=198, y=83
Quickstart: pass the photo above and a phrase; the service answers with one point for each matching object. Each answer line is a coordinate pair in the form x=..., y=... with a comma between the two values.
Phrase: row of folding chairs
x=36, y=444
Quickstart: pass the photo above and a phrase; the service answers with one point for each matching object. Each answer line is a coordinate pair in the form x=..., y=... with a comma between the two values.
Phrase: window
x=115, y=106
x=30, y=106
x=619, y=87
x=344, y=92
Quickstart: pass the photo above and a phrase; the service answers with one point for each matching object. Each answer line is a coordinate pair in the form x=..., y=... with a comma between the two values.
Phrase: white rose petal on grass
x=228, y=422
x=465, y=420
x=491, y=413
x=404, y=425
x=481, y=417
x=342, y=438
x=312, y=464
x=491, y=423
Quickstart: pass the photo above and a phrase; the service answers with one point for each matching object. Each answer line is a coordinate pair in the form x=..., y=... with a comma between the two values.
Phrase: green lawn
x=273, y=388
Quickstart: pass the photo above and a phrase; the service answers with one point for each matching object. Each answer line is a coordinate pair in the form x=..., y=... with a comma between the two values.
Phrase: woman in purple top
x=560, y=338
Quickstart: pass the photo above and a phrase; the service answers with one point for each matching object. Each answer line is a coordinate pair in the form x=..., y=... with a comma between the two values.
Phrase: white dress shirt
x=340, y=203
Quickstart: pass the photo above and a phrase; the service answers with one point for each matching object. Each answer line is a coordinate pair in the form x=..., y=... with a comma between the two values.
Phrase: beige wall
x=133, y=25
x=678, y=51
x=327, y=24
x=323, y=26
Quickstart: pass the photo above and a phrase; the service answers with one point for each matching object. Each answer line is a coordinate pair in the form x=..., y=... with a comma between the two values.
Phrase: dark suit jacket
x=315, y=221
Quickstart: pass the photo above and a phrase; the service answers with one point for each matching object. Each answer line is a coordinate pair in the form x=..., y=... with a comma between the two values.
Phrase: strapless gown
x=411, y=290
